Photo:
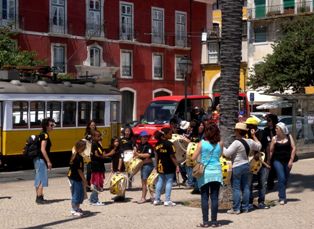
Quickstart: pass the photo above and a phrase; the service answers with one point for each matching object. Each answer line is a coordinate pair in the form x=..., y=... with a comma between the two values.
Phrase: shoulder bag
x=198, y=169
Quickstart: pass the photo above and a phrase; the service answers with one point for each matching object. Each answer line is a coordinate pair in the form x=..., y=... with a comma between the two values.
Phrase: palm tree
x=231, y=46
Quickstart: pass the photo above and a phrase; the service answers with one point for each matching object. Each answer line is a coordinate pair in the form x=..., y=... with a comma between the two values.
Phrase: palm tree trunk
x=231, y=46
x=231, y=51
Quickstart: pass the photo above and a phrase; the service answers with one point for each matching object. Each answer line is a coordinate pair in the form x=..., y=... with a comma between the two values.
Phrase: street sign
x=252, y=96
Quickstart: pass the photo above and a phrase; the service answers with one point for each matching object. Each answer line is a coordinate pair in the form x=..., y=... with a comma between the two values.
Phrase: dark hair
x=212, y=133
x=95, y=132
x=242, y=133
x=161, y=133
x=79, y=145
x=273, y=118
x=194, y=125
x=88, y=129
x=174, y=121
x=45, y=123
x=131, y=131
x=113, y=139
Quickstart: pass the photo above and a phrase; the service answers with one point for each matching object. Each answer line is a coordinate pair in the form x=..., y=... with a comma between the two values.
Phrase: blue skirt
x=41, y=172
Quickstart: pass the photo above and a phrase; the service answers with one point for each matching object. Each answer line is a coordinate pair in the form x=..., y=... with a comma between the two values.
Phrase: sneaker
x=97, y=204
x=262, y=206
x=282, y=202
x=40, y=200
x=76, y=213
x=231, y=211
x=169, y=203
x=195, y=191
x=245, y=211
x=157, y=202
x=251, y=207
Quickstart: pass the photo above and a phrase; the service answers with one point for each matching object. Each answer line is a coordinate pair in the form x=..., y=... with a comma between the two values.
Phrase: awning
x=274, y=105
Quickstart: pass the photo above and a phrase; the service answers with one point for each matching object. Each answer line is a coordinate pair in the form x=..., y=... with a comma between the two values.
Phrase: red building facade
x=137, y=43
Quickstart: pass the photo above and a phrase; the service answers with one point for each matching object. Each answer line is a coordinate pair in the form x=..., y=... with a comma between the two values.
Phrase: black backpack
x=32, y=147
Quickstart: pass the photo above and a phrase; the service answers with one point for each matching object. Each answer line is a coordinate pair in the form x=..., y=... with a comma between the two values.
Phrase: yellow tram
x=24, y=105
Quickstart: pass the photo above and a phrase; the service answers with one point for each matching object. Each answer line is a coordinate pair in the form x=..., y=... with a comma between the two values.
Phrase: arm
x=174, y=160
x=232, y=149
x=80, y=172
x=293, y=151
x=271, y=150
x=111, y=153
x=45, y=154
x=120, y=164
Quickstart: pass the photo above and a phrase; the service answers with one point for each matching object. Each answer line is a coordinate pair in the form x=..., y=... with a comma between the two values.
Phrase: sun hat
x=240, y=126
x=184, y=125
x=144, y=133
x=283, y=127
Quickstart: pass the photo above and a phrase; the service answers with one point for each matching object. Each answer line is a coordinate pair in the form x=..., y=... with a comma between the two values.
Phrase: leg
x=159, y=186
x=204, y=202
x=214, y=193
x=246, y=187
x=262, y=183
x=280, y=170
x=190, y=182
x=169, y=181
x=236, y=184
x=250, y=183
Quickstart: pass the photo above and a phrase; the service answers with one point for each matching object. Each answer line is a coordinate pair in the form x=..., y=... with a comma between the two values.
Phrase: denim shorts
x=41, y=172
x=146, y=171
x=77, y=191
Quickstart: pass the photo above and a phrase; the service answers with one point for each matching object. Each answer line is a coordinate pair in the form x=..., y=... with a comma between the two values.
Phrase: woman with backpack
x=42, y=162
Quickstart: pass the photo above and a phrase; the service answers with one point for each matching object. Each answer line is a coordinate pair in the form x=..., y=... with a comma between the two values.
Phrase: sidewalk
x=18, y=208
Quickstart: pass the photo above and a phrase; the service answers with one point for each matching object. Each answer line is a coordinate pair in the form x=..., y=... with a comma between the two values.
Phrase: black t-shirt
x=97, y=163
x=75, y=165
x=145, y=148
x=43, y=136
x=115, y=160
x=164, y=149
x=126, y=144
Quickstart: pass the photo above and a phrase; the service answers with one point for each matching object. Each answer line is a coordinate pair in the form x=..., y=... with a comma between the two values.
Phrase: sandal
x=141, y=201
x=203, y=225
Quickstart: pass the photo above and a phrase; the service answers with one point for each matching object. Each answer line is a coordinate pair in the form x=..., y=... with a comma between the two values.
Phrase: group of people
x=274, y=141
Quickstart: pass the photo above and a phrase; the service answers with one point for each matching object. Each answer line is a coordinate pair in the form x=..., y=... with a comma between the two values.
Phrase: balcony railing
x=289, y=8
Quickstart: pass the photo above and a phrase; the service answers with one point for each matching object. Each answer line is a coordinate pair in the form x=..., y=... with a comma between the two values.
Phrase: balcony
x=288, y=8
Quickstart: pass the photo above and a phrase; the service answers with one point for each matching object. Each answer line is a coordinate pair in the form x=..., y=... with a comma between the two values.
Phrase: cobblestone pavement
x=18, y=208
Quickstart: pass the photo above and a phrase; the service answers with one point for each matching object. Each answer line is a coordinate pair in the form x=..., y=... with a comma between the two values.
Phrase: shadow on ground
x=49, y=225
x=299, y=182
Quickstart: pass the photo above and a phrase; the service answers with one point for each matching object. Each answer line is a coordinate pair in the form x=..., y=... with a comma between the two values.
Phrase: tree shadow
x=86, y=214
x=224, y=222
x=299, y=182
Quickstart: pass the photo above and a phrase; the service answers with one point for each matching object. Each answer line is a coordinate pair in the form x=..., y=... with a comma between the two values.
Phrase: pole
x=185, y=97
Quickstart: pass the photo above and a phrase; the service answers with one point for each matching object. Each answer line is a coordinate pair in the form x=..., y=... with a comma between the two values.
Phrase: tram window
x=20, y=118
x=114, y=111
x=84, y=109
x=98, y=112
x=37, y=112
x=69, y=113
x=54, y=111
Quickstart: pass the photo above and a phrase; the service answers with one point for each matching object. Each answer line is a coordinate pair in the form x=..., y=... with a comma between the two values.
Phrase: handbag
x=198, y=169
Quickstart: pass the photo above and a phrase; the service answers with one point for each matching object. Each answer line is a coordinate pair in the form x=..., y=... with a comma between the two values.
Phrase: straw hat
x=240, y=126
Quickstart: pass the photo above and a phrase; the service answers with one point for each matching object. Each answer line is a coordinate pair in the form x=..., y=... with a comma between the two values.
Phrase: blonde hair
x=79, y=148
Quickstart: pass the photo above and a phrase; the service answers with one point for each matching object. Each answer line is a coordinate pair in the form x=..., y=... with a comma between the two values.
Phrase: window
x=157, y=66
x=126, y=62
x=54, y=111
x=94, y=12
x=114, y=111
x=181, y=37
x=37, y=113
x=260, y=34
x=8, y=12
x=244, y=30
x=59, y=58
x=126, y=21
x=157, y=25
x=216, y=5
x=57, y=18
x=94, y=56
x=20, y=117
x=179, y=75
x=99, y=113
x=84, y=111
x=213, y=53
x=69, y=114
